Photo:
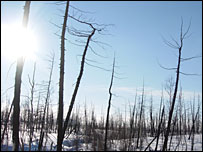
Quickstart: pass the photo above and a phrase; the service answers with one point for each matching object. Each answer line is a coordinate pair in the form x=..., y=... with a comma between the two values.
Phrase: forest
x=31, y=122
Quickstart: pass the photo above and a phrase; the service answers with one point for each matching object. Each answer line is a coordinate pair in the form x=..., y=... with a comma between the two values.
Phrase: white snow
x=77, y=143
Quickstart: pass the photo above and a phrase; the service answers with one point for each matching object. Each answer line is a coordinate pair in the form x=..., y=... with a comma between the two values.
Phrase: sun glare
x=17, y=42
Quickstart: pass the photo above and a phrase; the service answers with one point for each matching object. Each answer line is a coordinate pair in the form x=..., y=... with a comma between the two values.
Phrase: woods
x=39, y=120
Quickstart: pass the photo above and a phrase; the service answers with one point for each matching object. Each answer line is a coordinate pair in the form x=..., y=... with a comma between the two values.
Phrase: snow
x=77, y=143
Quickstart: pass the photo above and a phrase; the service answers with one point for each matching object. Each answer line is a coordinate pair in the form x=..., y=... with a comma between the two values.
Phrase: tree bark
x=76, y=87
x=174, y=95
x=17, y=90
x=109, y=105
x=61, y=82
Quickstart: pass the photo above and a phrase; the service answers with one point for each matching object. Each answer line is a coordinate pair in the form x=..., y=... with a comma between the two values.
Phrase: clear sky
x=136, y=37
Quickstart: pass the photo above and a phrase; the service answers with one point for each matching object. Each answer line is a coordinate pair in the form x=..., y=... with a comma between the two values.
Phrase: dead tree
x=77, y=83
x=46, y=104
x=132, y=118
x=61, y=82
x=151, y=118
x=198, y=117
x=140, y=117
x=31, y=103
x=17, y=89
x=109, y=106
x=172, y=133
x=6, y=123
x=158, y=133
x=194, y=119
x=89, y=35
x=169, y=86
x=180, y=112
x=160, y=121
x=178, y=46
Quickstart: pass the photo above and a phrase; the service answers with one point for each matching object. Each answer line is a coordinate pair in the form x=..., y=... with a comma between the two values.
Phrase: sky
x=136, y=37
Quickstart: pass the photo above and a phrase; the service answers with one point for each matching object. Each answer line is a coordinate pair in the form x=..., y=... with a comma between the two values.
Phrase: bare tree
x=89, y=35
x=158, y=132
x=152, y=130
x=160, y=121
x=61, y=82
x=140, y=117
x=31, y=103
x=6, y=123
x=46, y=103
x=17, y=90
x=169, y=86
x=178, y=46
x=132, y=118
x=109, y=106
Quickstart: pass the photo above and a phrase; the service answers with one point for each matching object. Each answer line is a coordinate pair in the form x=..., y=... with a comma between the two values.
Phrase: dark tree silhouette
x=46, y=103
x=77, y=84
x=178, y=46
x=89, y=35
x=61, y=82
x=32, y=84
x=17, y=89
x=109, y=106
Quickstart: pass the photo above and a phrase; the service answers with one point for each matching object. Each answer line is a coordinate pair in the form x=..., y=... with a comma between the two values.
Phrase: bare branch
x=99, y=42
x=181, y=29
x=60, y=3
x=78, y=33
x=190, y=74
x=83, y=22
x=97, y=67
x=10, y=69
x=175, y=41
x=75, y=44
x=55, y=24
x=120, y=77
x=29, y=80
x=170, y=44
x=92, y=61
x=165, y=67
x=187, y=30
x=96, y=53
x=186, y=59
x=81, y=10
x=7, y=90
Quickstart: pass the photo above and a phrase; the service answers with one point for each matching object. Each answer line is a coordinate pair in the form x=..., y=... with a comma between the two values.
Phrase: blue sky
x=136, y=38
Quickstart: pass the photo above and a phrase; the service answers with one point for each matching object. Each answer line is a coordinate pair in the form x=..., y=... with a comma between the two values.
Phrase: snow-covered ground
x=77, y=143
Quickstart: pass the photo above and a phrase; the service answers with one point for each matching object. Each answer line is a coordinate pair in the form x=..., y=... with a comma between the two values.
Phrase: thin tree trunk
x=132, y=123
x=172, y=133
x=61, y=82
x=17, y=90
x=159, y=129
x=174, y=95
x=31, y=101
x=45, y=107
x=6, y=124
x=139, y=129
x=76, y=86
x=109, y=105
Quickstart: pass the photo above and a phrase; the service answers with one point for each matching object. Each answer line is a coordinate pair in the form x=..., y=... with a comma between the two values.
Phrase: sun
x=18, y=42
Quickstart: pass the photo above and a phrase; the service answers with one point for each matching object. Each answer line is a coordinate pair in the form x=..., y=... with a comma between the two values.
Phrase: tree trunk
x=109, y=105
x=61, y=82
x=45, y=106
x=174, y=95
x=76, y=87
x=17, y=90
x=31, y=102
